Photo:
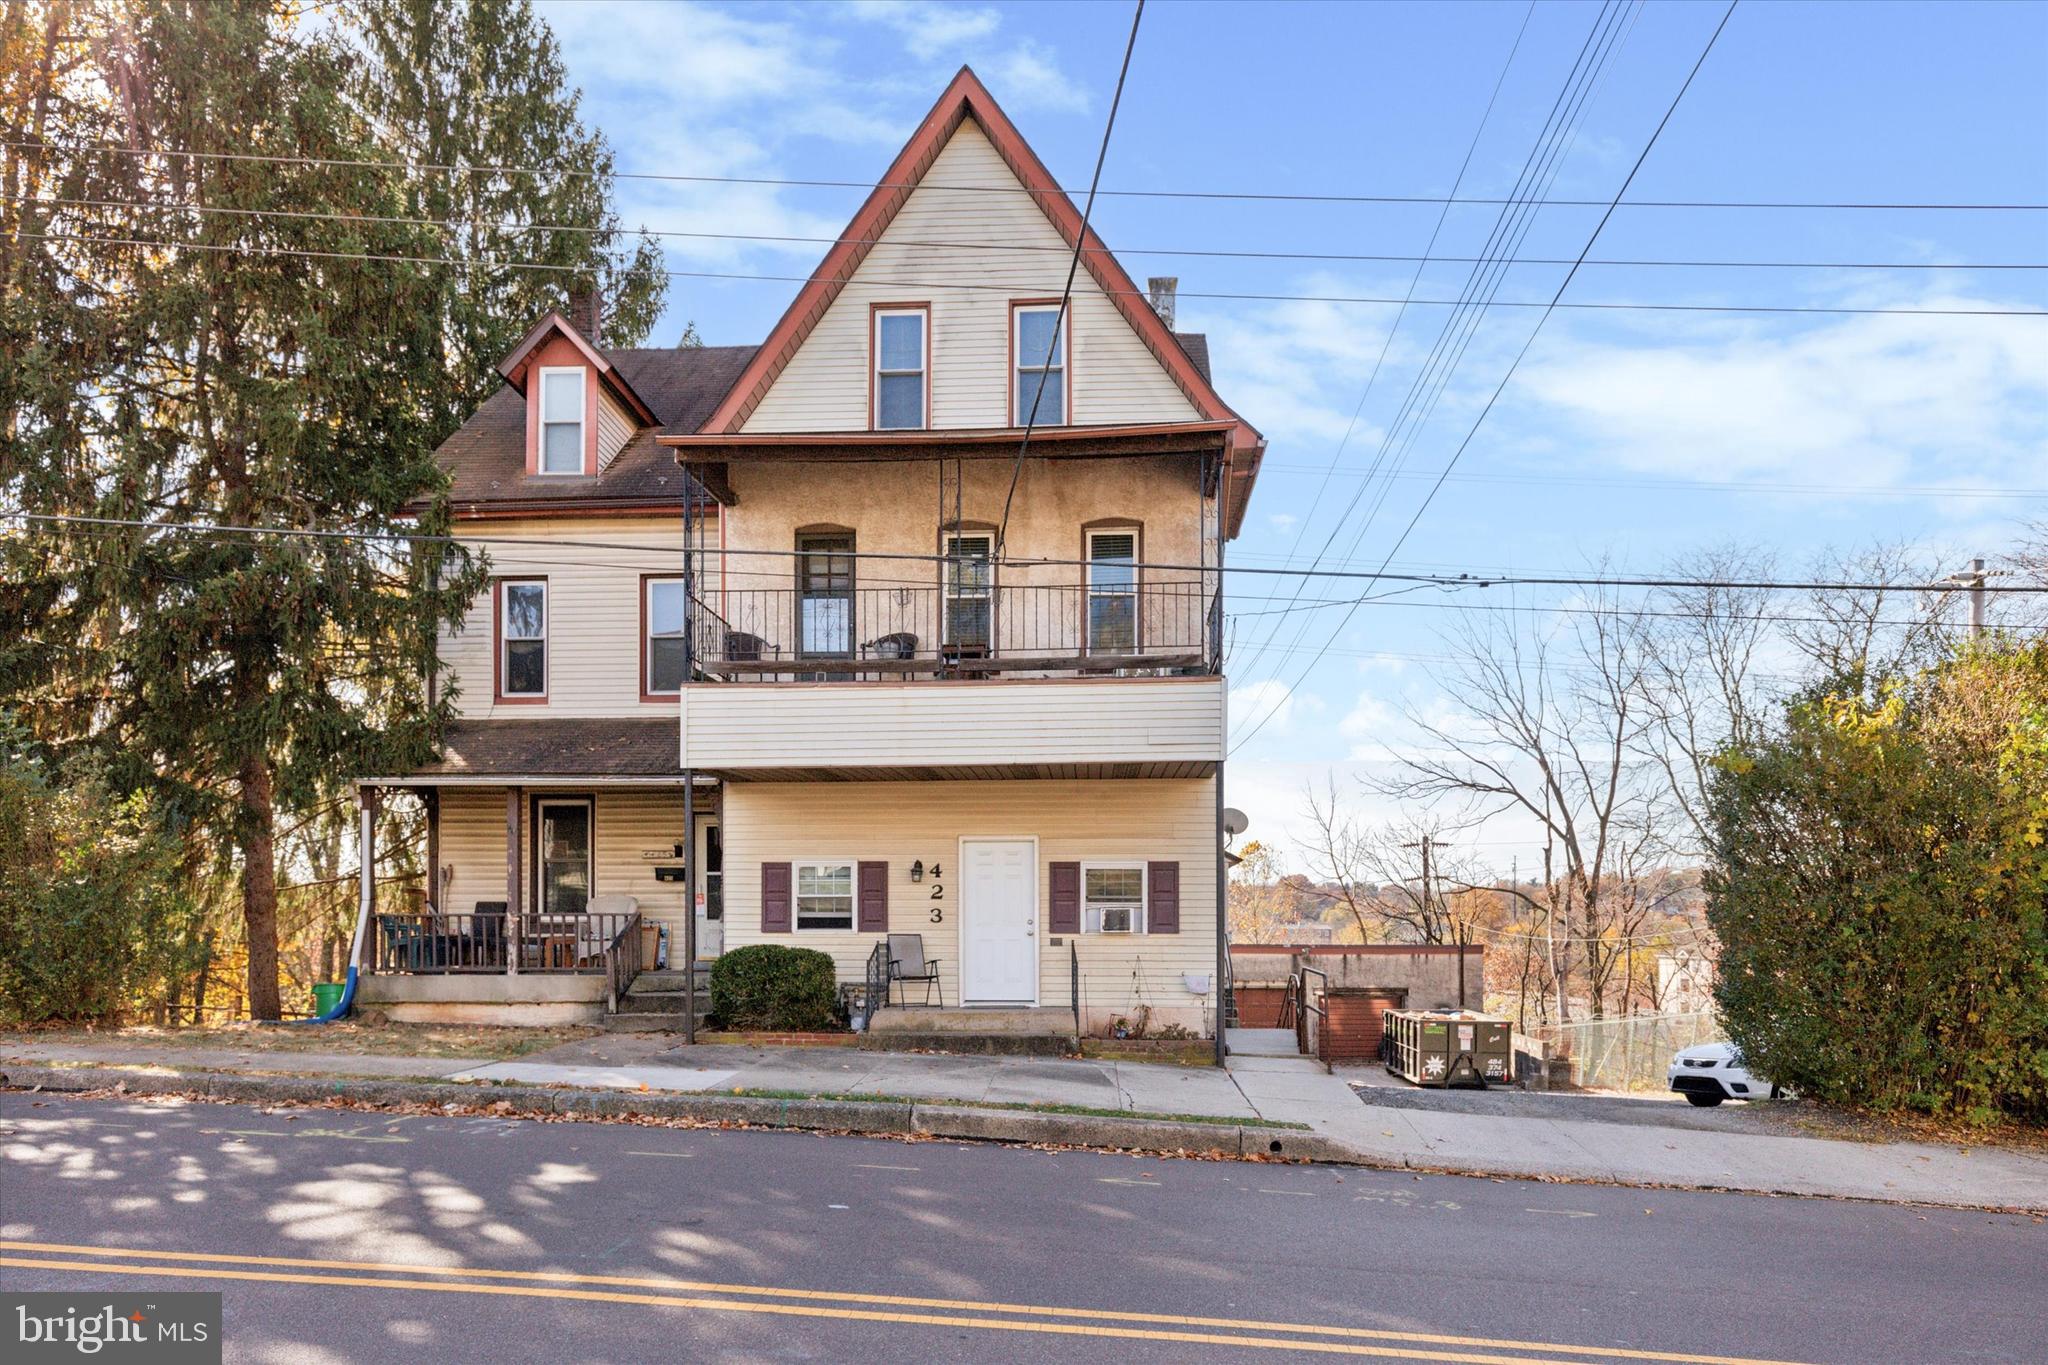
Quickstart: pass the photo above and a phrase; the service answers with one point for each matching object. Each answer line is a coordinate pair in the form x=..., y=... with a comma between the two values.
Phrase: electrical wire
x=1284, y=197
x=1237, y=296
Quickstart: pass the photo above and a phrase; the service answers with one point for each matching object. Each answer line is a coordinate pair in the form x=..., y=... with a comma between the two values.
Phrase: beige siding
x=881, y=725
x=614, y=428
x=902, y=823
x=627, y=824
x=593, y=614
x=1114, y=377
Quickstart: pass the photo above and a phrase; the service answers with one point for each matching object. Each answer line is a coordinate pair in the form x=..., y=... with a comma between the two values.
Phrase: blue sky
x=1596, y=449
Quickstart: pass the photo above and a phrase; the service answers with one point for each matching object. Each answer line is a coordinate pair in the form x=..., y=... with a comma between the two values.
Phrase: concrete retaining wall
x=524, y=1001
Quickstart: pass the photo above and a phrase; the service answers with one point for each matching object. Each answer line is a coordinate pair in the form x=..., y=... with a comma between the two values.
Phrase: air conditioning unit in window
x=1116, y=919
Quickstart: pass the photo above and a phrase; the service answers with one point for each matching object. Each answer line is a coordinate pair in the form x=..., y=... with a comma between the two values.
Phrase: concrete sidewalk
x=1253, y=1089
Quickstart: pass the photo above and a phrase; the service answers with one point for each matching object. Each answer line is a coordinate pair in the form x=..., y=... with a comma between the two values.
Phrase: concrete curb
x=1164, y=1136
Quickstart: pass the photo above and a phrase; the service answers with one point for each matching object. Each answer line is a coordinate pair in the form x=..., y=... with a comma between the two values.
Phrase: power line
x=1515, y=364
x=1285, y=197
x=1482, y=285
x=1059, y=321
x=1230, y=296
x=788, y=239
x=1464, y=580
x=1699, y=485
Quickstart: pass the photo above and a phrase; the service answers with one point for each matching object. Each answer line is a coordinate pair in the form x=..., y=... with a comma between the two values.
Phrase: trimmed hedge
x=768, y=986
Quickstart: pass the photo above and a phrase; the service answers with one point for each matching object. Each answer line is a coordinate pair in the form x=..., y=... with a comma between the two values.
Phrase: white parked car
x=1708, y=1073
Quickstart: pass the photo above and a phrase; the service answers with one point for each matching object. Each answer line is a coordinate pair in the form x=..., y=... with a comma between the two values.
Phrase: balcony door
x=970, y=592
x=824, y=591
x=1112, y=592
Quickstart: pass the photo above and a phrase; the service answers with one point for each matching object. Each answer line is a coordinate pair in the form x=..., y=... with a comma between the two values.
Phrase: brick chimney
x=1159, y=291
x=586, y=313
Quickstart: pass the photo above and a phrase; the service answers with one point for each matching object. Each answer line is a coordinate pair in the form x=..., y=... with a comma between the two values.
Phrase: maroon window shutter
x=1162, y=898
x=775, y=898
x=873, y=897
x=1066, y=898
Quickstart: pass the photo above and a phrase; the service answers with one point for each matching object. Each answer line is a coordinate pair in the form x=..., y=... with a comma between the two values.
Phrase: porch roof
x=561, y=747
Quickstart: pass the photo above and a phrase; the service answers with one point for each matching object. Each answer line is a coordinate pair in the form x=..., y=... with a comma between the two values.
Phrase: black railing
x=1169, y=626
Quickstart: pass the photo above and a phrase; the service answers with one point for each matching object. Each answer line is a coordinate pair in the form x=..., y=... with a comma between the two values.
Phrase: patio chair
x=597, y=933
x=907, y=962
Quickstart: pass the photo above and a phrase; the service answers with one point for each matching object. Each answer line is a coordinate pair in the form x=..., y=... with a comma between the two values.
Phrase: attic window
x=1038, y=344
x=900, y=369
x=561, y=420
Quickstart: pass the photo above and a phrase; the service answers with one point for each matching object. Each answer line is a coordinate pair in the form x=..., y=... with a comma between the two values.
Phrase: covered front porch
x=558, y=869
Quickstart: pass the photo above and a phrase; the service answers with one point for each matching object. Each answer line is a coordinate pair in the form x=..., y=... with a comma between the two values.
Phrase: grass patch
x=456, y=1042
x=1075, y=1110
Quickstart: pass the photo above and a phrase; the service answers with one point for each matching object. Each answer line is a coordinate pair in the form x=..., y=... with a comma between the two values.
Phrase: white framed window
x=561, y=420
x=1039, y=346
x=1113, y=591
x=901, y=348
x=523, y=638
x=1112, y=898
x=664, y=614
x=824, y=895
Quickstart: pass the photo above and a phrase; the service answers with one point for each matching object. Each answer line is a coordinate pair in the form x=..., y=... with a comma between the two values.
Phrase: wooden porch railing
x=431, y=943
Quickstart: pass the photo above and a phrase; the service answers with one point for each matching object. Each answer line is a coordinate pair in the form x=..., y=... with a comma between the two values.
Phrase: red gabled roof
x=966, y=97
x=514, y=366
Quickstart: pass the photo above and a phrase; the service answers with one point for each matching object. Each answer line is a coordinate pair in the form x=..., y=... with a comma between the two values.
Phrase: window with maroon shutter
x=1065, y=892
x=774, y=898
x=874, y=898
x=1162, y=889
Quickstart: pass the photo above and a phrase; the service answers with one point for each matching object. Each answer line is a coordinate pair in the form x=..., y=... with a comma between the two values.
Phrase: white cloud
x=1028, y=77
x=1271, y=705
x=1868, y=401
x=928, y=29
x=1282, y=521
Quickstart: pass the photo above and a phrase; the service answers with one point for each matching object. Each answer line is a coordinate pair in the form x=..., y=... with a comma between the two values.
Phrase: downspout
x=1222, y=884
x=366, y=895
x=689, y=775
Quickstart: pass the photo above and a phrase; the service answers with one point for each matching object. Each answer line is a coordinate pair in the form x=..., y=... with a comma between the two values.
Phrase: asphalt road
x=340, y=1235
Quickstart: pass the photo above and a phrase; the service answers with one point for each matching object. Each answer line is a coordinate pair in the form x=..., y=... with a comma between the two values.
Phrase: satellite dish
x=1235, y=821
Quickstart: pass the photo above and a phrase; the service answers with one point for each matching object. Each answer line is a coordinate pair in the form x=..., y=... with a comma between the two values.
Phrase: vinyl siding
x=1114, y=377
x=855, y=725
x=614, y=429
x=902, y=823
x=593, y=614
x=627, y=823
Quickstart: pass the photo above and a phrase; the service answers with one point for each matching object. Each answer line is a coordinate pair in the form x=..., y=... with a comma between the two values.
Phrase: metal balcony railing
x=788, y=634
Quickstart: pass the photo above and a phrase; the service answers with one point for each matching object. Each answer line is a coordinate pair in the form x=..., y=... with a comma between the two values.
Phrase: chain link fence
x=1630, y=1053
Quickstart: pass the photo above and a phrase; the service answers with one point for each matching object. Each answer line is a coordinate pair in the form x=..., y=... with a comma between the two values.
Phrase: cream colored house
x=947, y=551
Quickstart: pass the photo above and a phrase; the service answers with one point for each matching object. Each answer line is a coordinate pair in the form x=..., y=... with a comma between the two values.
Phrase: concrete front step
x=665, y=981
x=1024, y=1031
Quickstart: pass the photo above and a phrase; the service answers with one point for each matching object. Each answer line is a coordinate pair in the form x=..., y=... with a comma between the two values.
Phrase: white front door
x=998, y=921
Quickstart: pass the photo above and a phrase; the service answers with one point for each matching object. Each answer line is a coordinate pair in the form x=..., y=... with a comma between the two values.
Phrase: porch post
x=1222, y=871
x=689, y=777
x=366, y=861
x=431, y=799
x=514, y=798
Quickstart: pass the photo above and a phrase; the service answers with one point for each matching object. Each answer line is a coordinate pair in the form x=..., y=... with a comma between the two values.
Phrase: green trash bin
x=326, y=995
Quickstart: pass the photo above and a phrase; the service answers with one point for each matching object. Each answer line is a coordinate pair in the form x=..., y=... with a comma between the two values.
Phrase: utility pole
x=1976, y=599
x=1458, y=929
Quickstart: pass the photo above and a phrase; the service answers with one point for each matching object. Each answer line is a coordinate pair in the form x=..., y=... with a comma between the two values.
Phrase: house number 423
x=938, y=894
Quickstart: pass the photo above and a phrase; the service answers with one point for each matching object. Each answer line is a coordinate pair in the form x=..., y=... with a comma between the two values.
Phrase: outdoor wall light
x=917, y=870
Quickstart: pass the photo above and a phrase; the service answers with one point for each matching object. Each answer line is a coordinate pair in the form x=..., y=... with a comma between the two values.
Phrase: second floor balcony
x=966, y=627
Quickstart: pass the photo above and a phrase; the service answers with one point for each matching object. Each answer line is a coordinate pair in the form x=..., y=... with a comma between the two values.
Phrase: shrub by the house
x=1878, y=884
x=769, y=986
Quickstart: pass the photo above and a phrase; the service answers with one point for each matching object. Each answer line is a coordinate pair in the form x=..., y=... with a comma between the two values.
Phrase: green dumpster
x=1448, y=1047
x=326, y=995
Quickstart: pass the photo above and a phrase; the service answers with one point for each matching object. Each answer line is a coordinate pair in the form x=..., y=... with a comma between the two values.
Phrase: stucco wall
x=1428, y=975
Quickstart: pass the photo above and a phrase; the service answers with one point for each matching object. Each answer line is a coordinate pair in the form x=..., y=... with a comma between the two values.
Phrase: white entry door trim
x=998, y=925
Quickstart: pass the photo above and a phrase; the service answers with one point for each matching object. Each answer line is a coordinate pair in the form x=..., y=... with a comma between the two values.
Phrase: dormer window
x=1038, y=345
x=902, y=368
x=561, y=420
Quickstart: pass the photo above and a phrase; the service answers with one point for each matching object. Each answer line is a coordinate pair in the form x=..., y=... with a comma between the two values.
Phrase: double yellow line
x=833, y=1304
